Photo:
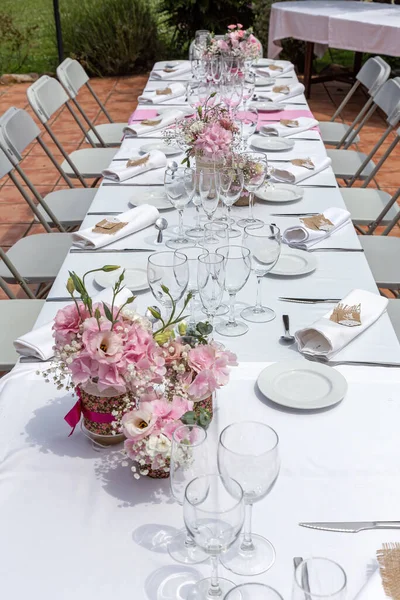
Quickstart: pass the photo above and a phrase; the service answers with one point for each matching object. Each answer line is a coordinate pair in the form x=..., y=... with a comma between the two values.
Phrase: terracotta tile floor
x=120, y=97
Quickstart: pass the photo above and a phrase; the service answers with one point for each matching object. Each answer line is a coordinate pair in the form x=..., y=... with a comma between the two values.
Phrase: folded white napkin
x=171, y=73
x=151, y=96
x=324, y=337
x=305, y=123
x=137, y=218
x=39, y=342
x=373, y=589
x=120, y=172
x=301, y=173
x=300, y=236
x=294, y=90
x=165, y=120
x=286, y=67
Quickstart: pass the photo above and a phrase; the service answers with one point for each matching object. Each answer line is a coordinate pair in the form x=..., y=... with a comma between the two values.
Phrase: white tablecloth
x=351, y=25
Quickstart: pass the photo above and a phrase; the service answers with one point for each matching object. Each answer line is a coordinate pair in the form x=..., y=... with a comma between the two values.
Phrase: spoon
x=287, y=338
x=160, y=224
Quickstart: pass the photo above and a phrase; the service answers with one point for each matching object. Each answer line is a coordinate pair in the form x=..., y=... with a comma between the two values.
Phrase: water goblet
x=230, y=190
x=232, y=93
x=253, y=591
x=237, y=271
x=249, y=85
x=255, y=170
x=210, y=283
x=192, y=253
x=167, y=270
x=215, y=234
x=213, y=511
x=319, y=579
x=189, y=459
x=264, y=243
x=250, y=451
x=209, y=191
x=248, y=117
x=180, y=186
x=196, y=231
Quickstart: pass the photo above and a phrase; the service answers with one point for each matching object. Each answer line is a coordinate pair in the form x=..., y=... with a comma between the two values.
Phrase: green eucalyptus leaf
x=189, y=418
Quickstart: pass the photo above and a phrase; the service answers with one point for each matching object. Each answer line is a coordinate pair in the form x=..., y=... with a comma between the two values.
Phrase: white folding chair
x=351, y=165
x=394, y=314
x=61, y=208
x=46, y=96
x=372, y=75
x=73, y=78
x=34, y=259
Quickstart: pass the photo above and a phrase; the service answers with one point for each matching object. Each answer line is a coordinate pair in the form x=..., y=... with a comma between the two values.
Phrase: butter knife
x=310, y=300
x=352, y=526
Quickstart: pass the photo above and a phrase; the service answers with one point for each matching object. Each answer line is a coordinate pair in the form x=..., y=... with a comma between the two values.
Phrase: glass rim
x=209, y=255
x=252, y=583
x=327, y=560
x=214, y=224
x=254, y=227
x=233, y=246
x=182, y=257
x=199, y=248
x=244, y=423
x=194, y=426
x=214, y=476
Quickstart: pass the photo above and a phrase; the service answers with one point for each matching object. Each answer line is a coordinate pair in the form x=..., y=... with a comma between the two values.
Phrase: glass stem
x=214, y=590
x=258, y=306
x=229, y=208
x=247, y=544
x=189, y=542
x=211, y=321
x=192, y=319
x=232, y=299
x=251, y=198
x=181, y=233
x=198, y=217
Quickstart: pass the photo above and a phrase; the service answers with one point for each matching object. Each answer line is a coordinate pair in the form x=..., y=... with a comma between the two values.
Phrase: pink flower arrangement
x=237, y=42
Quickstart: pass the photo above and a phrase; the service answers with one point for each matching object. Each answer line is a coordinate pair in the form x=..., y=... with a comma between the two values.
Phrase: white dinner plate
x=169, y=64
x=294, y=262
x=268, y=106
x=280, y=192
x=168, y=150
x=272, y=144
x=135, y=279
x=302, y=384
x=155, y=197
x=264, y=81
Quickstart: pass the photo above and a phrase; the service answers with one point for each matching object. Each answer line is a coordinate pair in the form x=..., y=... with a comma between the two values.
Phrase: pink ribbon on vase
x=74, y=415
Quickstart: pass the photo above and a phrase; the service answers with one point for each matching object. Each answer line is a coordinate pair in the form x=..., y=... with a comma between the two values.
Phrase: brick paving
x=120, y=96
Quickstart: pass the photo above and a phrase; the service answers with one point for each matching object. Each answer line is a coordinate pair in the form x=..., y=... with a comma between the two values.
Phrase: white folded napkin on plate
x=136, y=219
x=171, y=73
x=121, y=172
x=373, y=589
x=294, y=90
x=39, y=342
x=285, y=67
x=325, y=337
x=151, y=96
x=303, y=237
x=165, y=120
x=300, y=173
x=304, y=124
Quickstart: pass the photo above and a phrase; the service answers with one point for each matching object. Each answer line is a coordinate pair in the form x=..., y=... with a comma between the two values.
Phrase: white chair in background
x=61, y=208
x=372, y=75
x=73, y=78
x=46, y=96
x=394, y=314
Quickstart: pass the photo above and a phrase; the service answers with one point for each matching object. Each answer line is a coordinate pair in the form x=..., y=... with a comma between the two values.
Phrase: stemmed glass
x=210, y=282
x=230, y=190
x=264, y=243
x=180, y=186
x=237, y=271
x=249, y=450
x=319, y=579
x=253, y=591
x=232, y=92
x=216, y=233
x=197, y=93
x=197, y=230
x=213, y=511
x=248, y=118
x=249, y=85
x=189, y=459
x=192, y=253
x=255, y=171
x=209, y=191
x=167, y=269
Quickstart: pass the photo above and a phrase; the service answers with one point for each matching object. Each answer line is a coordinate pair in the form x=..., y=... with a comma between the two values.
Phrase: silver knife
x=101, y=251
x=303, y=214
x=310, y=300
x=352, y=526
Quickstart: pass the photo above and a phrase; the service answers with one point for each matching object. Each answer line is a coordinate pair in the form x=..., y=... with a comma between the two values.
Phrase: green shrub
x=17, y=42
x=111, y=37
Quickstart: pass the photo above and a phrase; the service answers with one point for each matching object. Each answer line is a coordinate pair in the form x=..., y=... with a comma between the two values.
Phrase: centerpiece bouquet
x=136, y=380
x=237, y=42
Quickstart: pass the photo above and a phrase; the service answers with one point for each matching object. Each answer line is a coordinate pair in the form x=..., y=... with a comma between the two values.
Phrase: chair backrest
x=46, y=96
x=72, y=76
x=373, y=74
x=388, y=100
x=5, y=165
x=18, y=130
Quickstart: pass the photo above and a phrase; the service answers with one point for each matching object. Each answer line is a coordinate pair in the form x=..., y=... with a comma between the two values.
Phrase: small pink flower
x=103, y=346
x=222, y=45
x=239, y=26
x=173, y=352
x=82, y=369
x=231, y=27
x=138, y=424
x=109, y=376
x=203, y=385
x=201, y=357
x=67, y=322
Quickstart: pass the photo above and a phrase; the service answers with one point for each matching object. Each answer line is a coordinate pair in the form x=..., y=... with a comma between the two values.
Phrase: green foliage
x=184, y=17
x=111, y=37
x=200, y=417
x=17, y=42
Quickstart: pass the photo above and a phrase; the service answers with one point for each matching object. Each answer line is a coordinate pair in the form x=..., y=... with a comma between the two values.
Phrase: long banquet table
x=74, y=522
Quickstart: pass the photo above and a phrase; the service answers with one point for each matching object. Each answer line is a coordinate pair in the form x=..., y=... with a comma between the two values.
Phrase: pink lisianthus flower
x=103, y=346
x=231, y=27
x=239, y=26
x=138, y=424
x=67, y=322
x=82, y=369
x=214, y=141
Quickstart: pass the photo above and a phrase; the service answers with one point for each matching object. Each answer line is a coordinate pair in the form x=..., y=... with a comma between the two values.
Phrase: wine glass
x=253, y=591
x=237, y=271
x=248, y=119
x=189, y=459
x=213, y=511
x=230, y=190
x=255, y=170
x=209, y=191
x=210, y=283
x=216, y=233
x=264, y=243
x=249, y=85
x=232, y=92
x=197, y=93
x=167, y=270
x=249, y=450
x=180, y=185
x=192, y=253
x=196, y=231
x=319, y=579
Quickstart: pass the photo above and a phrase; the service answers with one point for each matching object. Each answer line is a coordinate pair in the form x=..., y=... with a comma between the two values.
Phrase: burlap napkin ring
x=307, y=163
x=108, y=226
x=169, y=70
x=389, y=564
x=318, y=223
x=281, y=89
x=151, y=122
x=275, y=68
x=138, y=162
x=289, y=122
x=349, y=316
x=165, y=92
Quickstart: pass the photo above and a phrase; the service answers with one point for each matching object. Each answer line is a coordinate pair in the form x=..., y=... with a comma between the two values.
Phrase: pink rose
x=231, y=27
x=239, y=26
